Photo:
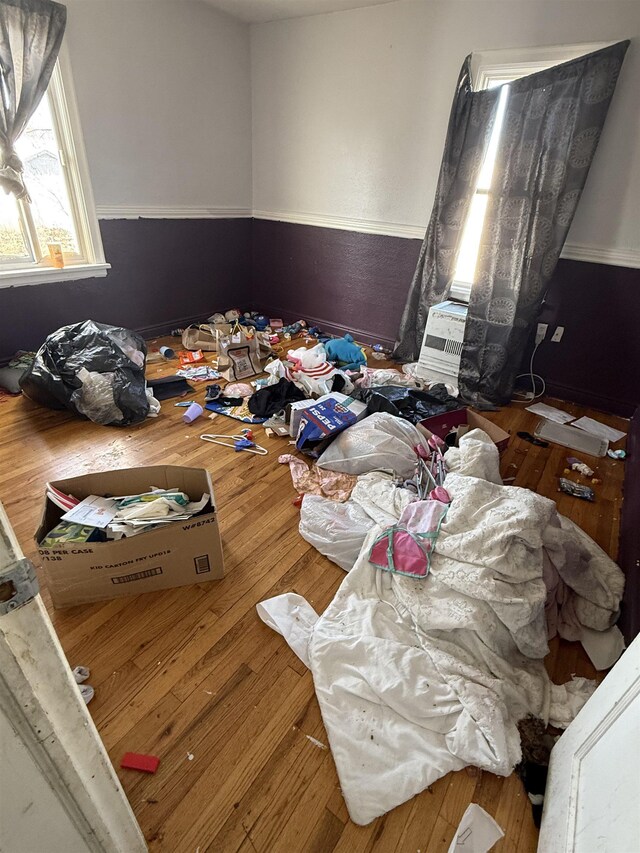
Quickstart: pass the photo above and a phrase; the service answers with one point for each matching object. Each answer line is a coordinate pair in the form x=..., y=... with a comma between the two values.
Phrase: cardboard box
x=295, y=410
x=176, y=554
x=441, y=425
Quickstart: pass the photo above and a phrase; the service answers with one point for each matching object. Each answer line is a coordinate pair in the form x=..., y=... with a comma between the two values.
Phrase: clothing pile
x=421, y=673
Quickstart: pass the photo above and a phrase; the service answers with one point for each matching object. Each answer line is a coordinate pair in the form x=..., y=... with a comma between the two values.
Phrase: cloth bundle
x=418, y=677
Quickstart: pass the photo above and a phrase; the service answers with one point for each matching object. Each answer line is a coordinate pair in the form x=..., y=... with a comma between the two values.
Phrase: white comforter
x=419, y=677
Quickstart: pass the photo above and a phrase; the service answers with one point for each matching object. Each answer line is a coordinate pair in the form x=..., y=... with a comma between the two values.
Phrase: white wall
x=164, y=93
x=350, y=110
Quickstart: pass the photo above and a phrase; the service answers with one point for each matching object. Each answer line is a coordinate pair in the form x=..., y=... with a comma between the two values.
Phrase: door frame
x=41, y=698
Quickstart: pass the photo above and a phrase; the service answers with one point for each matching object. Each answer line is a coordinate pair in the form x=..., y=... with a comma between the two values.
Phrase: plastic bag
x=95, y=397
x=409, y=403
x=380, y=442
x=337, y=530
x=92, y=369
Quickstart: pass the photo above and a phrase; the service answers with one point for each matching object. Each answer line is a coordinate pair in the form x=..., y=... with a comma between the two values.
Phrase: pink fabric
x=315, y=481
x=409, y=556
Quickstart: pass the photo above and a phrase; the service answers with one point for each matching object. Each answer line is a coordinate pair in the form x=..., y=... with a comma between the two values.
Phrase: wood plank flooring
x=193, y=676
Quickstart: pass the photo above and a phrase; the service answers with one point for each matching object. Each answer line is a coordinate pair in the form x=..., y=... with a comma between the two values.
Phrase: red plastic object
x=297, y=501
x=136, y=761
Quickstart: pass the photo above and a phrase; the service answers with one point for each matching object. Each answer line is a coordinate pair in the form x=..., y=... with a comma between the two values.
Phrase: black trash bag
x=409, y=403
x=94, y=370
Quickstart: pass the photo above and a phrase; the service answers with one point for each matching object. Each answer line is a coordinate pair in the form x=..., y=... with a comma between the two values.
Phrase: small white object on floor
x=87, y=692
x=477, y=832
x=316, y=742
x=81, y=673
x=293, y=617
x=190, y=756
x=551, y=413
x=601, y=430
x=603, y=647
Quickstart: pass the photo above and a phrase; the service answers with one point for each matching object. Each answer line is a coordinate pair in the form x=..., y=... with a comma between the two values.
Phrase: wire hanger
x=237, y=443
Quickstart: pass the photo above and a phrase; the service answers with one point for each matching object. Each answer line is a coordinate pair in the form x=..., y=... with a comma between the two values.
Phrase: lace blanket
x=416, y=678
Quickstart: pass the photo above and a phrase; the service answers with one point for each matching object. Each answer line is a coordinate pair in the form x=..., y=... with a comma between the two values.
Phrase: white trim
x=121, y=212
x=602, y=255
x=574, y=251
x=49, y=713
x=344, y=223
x=43, y=275
x=516, y=62
x=73, y=158
x=66, y=117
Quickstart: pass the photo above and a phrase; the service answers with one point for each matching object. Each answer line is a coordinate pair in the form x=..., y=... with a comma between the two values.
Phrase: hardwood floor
x=194, y=677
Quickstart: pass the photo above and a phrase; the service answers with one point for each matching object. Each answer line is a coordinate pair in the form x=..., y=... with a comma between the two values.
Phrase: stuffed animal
x=345, y=353
x=307, y=359
x=312, y=372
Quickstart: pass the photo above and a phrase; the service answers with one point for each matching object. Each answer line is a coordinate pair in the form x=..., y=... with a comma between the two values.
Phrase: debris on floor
x=138, y=761
x=477, y=832
x=577, y=490
x=81, y=674
x=536, y=744
x=244, y=441
x=580, y=467
x=316, y=742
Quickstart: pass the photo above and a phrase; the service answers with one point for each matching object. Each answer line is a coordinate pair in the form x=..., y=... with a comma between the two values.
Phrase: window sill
x=43, y=275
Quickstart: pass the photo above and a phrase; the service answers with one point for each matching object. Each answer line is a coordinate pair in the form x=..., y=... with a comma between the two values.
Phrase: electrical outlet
x=541, y=332
x=557, y=335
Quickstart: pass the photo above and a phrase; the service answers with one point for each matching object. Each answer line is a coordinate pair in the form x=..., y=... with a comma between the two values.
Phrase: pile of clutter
x=101, y=519
x=431, y=654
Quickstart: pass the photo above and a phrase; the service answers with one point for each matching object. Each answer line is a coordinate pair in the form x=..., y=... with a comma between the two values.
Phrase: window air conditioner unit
x=442, y=343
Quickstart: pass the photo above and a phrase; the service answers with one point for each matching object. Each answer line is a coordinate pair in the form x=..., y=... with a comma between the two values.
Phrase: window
x=488, y=70
x=61, y=213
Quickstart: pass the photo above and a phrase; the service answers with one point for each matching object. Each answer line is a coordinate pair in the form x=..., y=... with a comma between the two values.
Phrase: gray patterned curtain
x=550, y=133
x=468, y=134
x=30, y=37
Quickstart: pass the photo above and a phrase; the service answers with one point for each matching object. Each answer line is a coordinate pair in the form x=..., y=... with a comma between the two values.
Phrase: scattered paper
x=550, y=413
x=316, y=742
x=93, y=511
x=603, y=647
x=601, y=430
x=476, y=833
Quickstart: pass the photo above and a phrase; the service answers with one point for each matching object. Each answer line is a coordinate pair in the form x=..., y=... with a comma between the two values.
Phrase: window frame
x=73, y=158
x=500, y=67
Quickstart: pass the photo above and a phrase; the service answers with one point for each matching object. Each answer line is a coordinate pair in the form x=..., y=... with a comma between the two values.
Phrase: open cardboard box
x=176, y=554
x=441, y=425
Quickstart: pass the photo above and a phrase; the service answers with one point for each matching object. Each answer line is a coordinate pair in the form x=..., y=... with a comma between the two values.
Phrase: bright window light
x=61, y=212
x=472, y=233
